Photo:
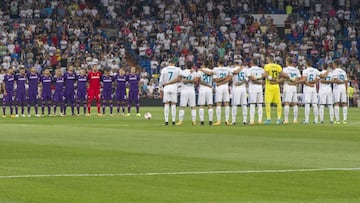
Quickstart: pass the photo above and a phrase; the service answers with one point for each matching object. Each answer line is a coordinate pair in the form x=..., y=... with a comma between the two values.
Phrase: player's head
x=221, y=61
x=171, y=62
x=121, y=71
x=236, y=64
x=10, y=70
x=206, y=64
x=254, y=61
x=133, y=70
x=22, y=70
x=270, y=59
x=336, y=63
x=33, y=70
x=58, y=72
x=106, y=72
x=309, y=63
x=94, y=68
x=71, y=69
x=289, y=61
x=189, y=65
x=47, y=72
x=82, y=72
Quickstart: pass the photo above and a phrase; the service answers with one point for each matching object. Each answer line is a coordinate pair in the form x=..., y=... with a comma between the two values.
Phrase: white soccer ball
x=147, y=115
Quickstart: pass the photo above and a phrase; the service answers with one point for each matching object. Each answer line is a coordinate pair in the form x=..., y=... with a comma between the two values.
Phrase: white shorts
x=205, y=96
x=326, y=98
x=340, y=96
x=310, y=96
x=222, y=94
x=256, y=97
x=238, y=96
x=290, y=96
x=170, y=94
x=187, y=97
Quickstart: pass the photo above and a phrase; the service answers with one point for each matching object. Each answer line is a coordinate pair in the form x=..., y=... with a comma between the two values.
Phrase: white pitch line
x=180, y=173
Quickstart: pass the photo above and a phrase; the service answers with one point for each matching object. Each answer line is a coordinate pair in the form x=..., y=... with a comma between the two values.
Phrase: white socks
x=193, y=115
x=201, y=114
x=218, y=113
x=307, y=113
x=286, y=113
x=173, y=112
x=211, y=114
x=233, y=113
x=252, y=113
x=166, y=112
x=181, y=115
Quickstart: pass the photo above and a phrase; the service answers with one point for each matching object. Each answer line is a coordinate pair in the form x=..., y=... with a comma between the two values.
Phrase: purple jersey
x=59, y=89
x=81, y=83
x=70, y=79
x=46, y=82
x=20, y=87
x=9, y=81
x=107, y=82
x=20, y=83
x=133, y=80
x=33, y=79
x=59, y=85
x=120, y=87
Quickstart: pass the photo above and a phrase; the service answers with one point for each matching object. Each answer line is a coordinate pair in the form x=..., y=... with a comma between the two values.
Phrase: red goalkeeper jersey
x=94, y=80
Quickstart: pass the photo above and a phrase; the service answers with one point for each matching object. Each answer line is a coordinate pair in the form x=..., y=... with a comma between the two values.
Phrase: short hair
x=206, y=63
x=336, y=62
x=189, y=64
x=221, y=61
x=289, y=60
x=309, y=62
x=254, y=61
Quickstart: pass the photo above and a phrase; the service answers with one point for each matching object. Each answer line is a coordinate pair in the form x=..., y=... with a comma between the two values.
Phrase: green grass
x=133, y=145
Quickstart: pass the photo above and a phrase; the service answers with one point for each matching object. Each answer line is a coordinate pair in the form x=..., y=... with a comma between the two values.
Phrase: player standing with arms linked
x=133, y=79
x=59, y=92
x=106, y=94
x=8, y=88
x=238, y=92
x=20, y=91
x=256, y=93
x=326, y=94
x=340, y=92
x=46, y=99
x=120, y=95
x=222, y=76
x=70, y=79
x=187, y=94
x=290, y=90
x=273, y=72
x=93, y=92
x=169, y=78
x=205, y=74
x=81, y=91
x=33, y=80
x=310, y=77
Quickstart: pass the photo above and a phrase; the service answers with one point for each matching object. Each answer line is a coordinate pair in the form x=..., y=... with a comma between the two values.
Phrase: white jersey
x=293, y=74
x=205, y=78
x=311, y=75
x=339, y=74
x=205, y=91
x=169, y=73
x=257, y=72
x=241, y=77
x=324, y=87
x=188, y=75
x=310, y=94
x=222, y=72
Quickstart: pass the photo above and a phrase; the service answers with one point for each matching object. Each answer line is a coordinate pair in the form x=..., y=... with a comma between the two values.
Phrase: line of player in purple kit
x=69, y=88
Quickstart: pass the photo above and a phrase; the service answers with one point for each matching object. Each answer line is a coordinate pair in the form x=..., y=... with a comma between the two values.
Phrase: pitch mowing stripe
x=179, y=173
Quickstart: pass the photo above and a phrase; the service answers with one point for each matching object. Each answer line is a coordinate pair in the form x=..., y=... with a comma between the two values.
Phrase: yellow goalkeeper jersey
x=274, y=72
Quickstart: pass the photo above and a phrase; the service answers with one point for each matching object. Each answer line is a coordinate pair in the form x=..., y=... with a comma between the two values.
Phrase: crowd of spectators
x=57, y=33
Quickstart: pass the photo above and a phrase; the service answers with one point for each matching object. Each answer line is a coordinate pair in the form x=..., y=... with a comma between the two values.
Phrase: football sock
x=233, y=113
x=201, y=114
x=244, y=112
x=286, y=113
x=193, y=115
x=260, y=112
x=307, y=112
x=345, y=111
x=227, y=113
x=321, y=112
x=211, y=114
x=181, y=115
x=337, y=113
x=218, y=113
x=166, y=112
x=296, y=111
x=252, y=113
x=316, y=112
x=331, y=112
x=173, y=112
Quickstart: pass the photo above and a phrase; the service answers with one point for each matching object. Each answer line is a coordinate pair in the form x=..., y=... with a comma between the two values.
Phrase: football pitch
x=130, y=159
